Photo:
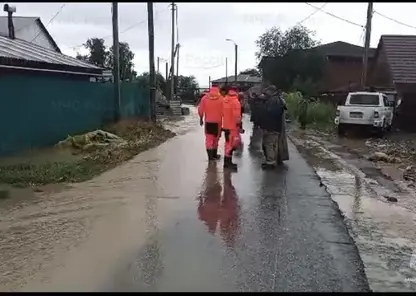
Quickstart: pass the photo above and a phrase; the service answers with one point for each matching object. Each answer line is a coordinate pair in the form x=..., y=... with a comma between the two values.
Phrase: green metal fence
x=39, y=111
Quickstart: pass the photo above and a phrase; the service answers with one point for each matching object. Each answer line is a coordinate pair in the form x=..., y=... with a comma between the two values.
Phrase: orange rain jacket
x=210, y=106
x=231, y=111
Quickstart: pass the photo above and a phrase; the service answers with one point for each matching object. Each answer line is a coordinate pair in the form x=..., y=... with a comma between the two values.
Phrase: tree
x=126, y=61
x=84, y=58
x=296, y=64
x=187, y=87
x=100, y=56
x=275, y=43
x=97, y=52
x=252, y=71
x=187, y=82
x=160, y=81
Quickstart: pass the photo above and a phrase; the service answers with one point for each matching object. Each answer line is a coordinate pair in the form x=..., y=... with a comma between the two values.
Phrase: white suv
x=367, y=109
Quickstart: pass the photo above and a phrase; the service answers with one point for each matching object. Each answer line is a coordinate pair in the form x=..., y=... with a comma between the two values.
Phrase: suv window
x=364, y=99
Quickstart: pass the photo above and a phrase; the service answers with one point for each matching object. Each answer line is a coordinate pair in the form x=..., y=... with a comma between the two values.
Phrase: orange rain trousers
x=231, y=121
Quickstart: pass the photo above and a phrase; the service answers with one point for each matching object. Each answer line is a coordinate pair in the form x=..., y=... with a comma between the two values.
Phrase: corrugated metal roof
x=23, y=50
x=401, y=56
x=240, y=79
x=341, y=48
x=335, y=49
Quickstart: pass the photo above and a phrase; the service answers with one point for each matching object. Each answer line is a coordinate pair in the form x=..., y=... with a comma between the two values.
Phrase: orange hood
x=214, y=93
x=232, y=94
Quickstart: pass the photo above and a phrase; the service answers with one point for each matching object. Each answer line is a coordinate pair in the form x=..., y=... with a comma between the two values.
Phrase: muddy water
x=384, y=232
x=38, y=230
x=183, y=124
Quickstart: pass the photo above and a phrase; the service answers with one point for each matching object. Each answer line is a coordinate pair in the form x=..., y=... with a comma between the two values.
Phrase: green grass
x=320, y=115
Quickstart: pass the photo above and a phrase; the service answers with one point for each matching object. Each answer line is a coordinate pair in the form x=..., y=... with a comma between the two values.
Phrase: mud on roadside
x=380, y=215
x=400, y=149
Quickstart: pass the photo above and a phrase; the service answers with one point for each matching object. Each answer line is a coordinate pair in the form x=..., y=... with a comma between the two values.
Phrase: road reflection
x=210, y=199
x=218, y=206
x=229, y=212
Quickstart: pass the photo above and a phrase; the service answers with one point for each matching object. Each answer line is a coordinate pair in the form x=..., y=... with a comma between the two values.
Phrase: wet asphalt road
x=168, y=221
x=245, y=231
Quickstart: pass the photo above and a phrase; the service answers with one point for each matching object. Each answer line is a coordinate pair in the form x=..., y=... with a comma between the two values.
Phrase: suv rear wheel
x=341, y=130
x=381, y=130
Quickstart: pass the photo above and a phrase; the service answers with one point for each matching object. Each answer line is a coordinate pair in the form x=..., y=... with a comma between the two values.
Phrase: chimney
x=10, y=10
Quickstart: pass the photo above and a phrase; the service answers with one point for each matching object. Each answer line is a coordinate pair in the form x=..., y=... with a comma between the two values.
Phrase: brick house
x=343, y=64
x=394, y=68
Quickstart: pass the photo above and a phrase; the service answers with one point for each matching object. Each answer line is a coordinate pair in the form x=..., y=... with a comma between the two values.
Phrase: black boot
x=268, y=166
x=228, y=163
x=215, y=154
x=210, y=154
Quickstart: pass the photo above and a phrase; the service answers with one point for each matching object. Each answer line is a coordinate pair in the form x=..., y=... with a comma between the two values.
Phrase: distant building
x=244, y=81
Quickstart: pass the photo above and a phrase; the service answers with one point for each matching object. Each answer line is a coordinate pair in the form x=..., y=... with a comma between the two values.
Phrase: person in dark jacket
x=270, y=122
x=256, y=104
x=303, y=112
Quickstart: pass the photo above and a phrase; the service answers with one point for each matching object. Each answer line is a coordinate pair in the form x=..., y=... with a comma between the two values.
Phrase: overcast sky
x=203, y=28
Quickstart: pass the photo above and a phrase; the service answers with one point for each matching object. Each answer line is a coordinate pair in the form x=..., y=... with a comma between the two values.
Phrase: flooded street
x=382, y=228
x=168, y=221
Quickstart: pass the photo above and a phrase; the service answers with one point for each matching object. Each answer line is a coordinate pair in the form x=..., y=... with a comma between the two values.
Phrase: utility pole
x=236, y=58
x=158, y=62
x=116, y=67
x=209, y=81
x=172, y=61
x=152, y=75
x=367, y=44
x=236, y=62
x=226, y=70
x=177, y=61
x=167, y=70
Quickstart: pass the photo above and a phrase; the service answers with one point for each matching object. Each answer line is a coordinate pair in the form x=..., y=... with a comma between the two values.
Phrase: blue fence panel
x=39, y=111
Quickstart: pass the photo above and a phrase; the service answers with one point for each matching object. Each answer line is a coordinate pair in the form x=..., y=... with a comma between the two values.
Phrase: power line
x=335, y=16
x=50, y=21
x=394, y=20
x=310, y=15
x=126, y=29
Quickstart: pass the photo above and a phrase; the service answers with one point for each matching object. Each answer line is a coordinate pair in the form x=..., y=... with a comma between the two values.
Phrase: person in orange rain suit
x=239, y=141
x=210, y=109
x=236, y=96
x=230, y=125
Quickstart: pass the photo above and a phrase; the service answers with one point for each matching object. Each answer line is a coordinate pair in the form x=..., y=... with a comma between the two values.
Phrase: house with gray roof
x=33, y=51
x=30, y=29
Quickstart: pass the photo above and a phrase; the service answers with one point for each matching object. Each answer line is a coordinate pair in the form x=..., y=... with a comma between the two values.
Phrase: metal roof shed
x=19, y=54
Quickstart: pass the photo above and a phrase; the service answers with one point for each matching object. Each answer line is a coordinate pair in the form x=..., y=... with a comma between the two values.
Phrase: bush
x=319, y=113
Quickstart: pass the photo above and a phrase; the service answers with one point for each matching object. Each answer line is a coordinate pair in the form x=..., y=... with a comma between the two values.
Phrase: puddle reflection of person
x=229, y=212
x=210, y=199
